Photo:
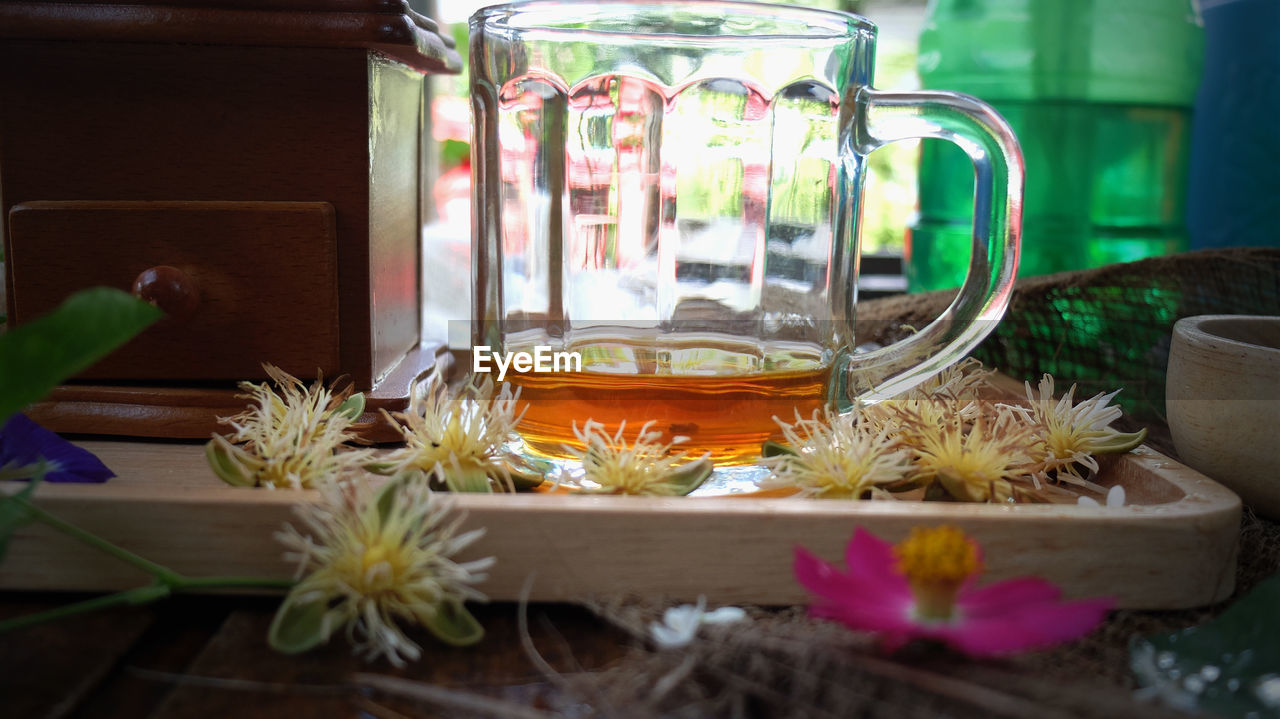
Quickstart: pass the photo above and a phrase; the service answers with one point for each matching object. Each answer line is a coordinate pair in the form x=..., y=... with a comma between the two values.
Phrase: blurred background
x=890, y=186
x=1146, y=127
x=893, y=178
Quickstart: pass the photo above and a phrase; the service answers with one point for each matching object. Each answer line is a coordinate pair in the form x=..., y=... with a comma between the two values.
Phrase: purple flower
x=24, y=443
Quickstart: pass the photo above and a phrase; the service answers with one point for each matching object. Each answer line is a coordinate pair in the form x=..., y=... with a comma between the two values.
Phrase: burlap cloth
x=1104, y=328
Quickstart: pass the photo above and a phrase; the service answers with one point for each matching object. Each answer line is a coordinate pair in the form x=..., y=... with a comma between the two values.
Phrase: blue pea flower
x=24, y=443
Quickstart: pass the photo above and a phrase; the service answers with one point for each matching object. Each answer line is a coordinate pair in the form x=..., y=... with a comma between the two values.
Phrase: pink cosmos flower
x=924, y=588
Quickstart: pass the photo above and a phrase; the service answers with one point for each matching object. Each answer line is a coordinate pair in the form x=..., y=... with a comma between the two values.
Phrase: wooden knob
x=168, y=288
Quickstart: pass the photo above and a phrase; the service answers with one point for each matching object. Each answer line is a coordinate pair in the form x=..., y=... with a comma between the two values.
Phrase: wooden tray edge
x=731, y=550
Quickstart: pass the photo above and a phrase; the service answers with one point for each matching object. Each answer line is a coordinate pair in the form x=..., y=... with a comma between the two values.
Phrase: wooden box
x=255, y=168
x=1173, y=544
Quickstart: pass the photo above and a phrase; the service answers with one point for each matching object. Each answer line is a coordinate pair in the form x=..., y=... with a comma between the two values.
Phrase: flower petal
x=301, y=622
x=666, y=636
x=859, y=602
x=685, y=616
x=889, y=619
x=872, y=579
x=871, y=561
x=997, y=619
x=452, y=623
x=678, y=626
x=1026, y=627
x=1000, y=597
x=1115, y=496
x=820, y=577
x=23, y=443
x=724, y=615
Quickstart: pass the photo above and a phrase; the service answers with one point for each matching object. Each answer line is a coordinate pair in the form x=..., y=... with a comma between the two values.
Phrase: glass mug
x=670, y=195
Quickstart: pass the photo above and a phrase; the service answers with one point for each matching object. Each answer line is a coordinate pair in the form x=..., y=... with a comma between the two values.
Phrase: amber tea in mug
x=671, y=193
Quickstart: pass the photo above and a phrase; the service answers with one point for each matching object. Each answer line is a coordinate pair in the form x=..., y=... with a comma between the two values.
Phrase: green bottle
x=1099, y=93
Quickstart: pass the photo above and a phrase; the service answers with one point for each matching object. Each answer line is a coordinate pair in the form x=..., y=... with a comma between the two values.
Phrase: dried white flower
x=461, y=441
x=680, y=624
x=836, y=456
x=370, y=561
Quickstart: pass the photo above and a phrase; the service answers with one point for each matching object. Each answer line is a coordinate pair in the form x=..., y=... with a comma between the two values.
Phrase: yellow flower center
x=973, y=462
x=936, y=561
x=457, y=439
x=620, y=472
x=843, y=477
x=377, y=569
x=1066, y=441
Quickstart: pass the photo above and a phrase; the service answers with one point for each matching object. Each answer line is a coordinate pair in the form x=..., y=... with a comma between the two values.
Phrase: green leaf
x=1226, y=667
x=453, y=624
x=15, y=512
x=37, y=355
x=298, y=626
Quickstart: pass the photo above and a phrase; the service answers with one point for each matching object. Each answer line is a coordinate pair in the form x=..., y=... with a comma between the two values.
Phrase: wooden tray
x=1173, y=546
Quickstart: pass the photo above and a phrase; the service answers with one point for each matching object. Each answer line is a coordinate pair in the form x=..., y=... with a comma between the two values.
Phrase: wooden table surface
x=127, y=662
x=206, y=656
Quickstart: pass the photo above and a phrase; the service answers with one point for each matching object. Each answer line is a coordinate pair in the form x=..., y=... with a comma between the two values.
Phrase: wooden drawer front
x=265, y=274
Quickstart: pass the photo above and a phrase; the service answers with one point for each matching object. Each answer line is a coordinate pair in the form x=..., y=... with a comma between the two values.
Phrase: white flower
x=1070, y=434
x=954, y=393
x=647, y=466
x=977, y=464
x=1115, y=498
x=680, y=624
x=461, y=441
x=836, y=456
x=293, y=438
x=373, y=561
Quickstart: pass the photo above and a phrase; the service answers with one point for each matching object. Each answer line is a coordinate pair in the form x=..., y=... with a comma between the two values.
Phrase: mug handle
x=883, y=117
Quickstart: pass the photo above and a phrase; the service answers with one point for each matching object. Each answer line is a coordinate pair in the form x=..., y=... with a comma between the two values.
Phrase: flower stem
x=143, y=595
x=137, y=595
x=166, y=582
x=162, y=574
x=185, y=584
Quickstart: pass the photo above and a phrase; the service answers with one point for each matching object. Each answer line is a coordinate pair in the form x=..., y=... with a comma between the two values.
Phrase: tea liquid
x=729, y=416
